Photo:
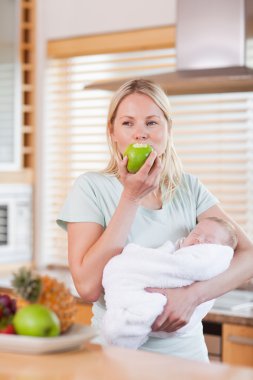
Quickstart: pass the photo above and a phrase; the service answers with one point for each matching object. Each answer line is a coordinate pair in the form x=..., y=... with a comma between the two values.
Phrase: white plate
x=72, y=339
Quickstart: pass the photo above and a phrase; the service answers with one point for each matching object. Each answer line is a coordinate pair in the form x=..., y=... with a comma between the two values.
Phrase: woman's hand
x=178, y=310
x=147, y=179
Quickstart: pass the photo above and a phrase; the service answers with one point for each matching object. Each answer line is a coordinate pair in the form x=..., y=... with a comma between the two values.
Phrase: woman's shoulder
x=189, y=180
x=95, y=177
x=189, y=185
x=97, y=181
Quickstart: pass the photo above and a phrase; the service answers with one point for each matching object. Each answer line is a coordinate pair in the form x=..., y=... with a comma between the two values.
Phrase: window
x=213, y=135
x=214, y=138
x=75, y=136
x=10, y=131
x=17, y=89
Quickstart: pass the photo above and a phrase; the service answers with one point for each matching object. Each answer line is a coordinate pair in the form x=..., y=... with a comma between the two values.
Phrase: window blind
x=213, y=135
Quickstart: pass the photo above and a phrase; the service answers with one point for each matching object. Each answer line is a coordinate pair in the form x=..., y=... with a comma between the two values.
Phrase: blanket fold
x=131, y=310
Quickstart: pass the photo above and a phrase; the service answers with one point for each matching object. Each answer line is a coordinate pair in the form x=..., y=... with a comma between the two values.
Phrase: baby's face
x=206, y=232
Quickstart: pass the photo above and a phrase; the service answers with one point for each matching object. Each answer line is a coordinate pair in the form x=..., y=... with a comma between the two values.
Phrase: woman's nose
x=141, y=133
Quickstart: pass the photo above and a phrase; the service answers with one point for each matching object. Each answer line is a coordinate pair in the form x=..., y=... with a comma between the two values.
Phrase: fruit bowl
x=73, y=339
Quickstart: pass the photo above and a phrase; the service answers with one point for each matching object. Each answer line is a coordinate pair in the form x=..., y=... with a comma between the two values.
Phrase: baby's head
x=212, y=230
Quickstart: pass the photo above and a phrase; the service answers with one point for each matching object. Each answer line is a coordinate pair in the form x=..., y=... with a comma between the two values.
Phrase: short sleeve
x=81, y=205
x=204, y=199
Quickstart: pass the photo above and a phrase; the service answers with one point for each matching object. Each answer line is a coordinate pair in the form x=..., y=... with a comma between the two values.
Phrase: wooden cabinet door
x=83, y=314
x=237, y=344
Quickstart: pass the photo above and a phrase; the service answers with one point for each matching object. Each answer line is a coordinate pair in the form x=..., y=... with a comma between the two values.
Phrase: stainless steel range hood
x=210, y=44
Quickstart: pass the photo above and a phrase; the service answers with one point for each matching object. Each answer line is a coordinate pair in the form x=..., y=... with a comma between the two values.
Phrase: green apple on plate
x=36, y=320
x=137, y=155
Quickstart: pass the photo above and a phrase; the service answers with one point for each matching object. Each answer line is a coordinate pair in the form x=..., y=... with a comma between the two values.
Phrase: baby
x=211, y=230
x=206, y=252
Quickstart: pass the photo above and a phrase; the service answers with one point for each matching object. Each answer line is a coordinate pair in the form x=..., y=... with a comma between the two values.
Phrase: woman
x=105, y=211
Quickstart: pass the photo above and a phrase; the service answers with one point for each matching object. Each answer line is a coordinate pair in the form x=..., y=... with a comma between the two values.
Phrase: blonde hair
x=171, y=165
x=232, y=239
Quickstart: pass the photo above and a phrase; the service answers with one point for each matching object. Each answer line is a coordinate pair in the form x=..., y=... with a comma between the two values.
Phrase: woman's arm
x=241, y=267
x=182, y=301
x=90, y=247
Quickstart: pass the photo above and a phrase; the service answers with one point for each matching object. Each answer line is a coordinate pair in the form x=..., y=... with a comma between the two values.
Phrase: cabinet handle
x=240, y=340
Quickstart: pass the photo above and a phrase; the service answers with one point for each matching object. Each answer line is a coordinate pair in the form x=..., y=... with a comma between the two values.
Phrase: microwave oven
x=15, y=223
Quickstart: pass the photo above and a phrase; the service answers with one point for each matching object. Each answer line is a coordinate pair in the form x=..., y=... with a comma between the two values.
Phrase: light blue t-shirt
x=94, y=198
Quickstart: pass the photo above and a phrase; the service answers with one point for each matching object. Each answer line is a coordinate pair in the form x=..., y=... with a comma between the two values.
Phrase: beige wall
x=67, y=18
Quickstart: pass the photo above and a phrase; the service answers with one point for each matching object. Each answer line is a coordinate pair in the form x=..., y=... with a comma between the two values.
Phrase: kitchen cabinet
x=237, y=344
x=212, y=334
x=83, y=314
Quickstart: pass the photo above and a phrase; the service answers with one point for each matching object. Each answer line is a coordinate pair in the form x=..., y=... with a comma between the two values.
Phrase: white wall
x=67, y=18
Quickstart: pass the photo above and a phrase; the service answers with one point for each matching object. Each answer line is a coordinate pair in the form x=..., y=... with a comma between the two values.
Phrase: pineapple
x=34, y=288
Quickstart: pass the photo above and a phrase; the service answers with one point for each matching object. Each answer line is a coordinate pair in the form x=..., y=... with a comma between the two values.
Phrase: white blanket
x=131, y=310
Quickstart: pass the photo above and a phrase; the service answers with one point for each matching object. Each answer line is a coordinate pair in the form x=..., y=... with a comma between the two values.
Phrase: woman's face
x=140, y=120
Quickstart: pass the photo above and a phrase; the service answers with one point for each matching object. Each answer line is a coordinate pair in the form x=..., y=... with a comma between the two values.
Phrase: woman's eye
x=127, y=123
x=151, y=123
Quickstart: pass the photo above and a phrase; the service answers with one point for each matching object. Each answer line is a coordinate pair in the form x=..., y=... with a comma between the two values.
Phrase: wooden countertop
x=93, y=362
x=234, y=307
x=219, y=317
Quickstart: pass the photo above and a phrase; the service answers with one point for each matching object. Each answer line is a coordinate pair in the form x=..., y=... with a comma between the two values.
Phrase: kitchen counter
x=62, y=274
x=233, y=307
x=218, y=316
x=225, y=309
x=96, y=363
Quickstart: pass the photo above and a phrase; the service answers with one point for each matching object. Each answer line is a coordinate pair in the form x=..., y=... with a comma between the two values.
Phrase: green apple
x=36, y=320
x=137, y=155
